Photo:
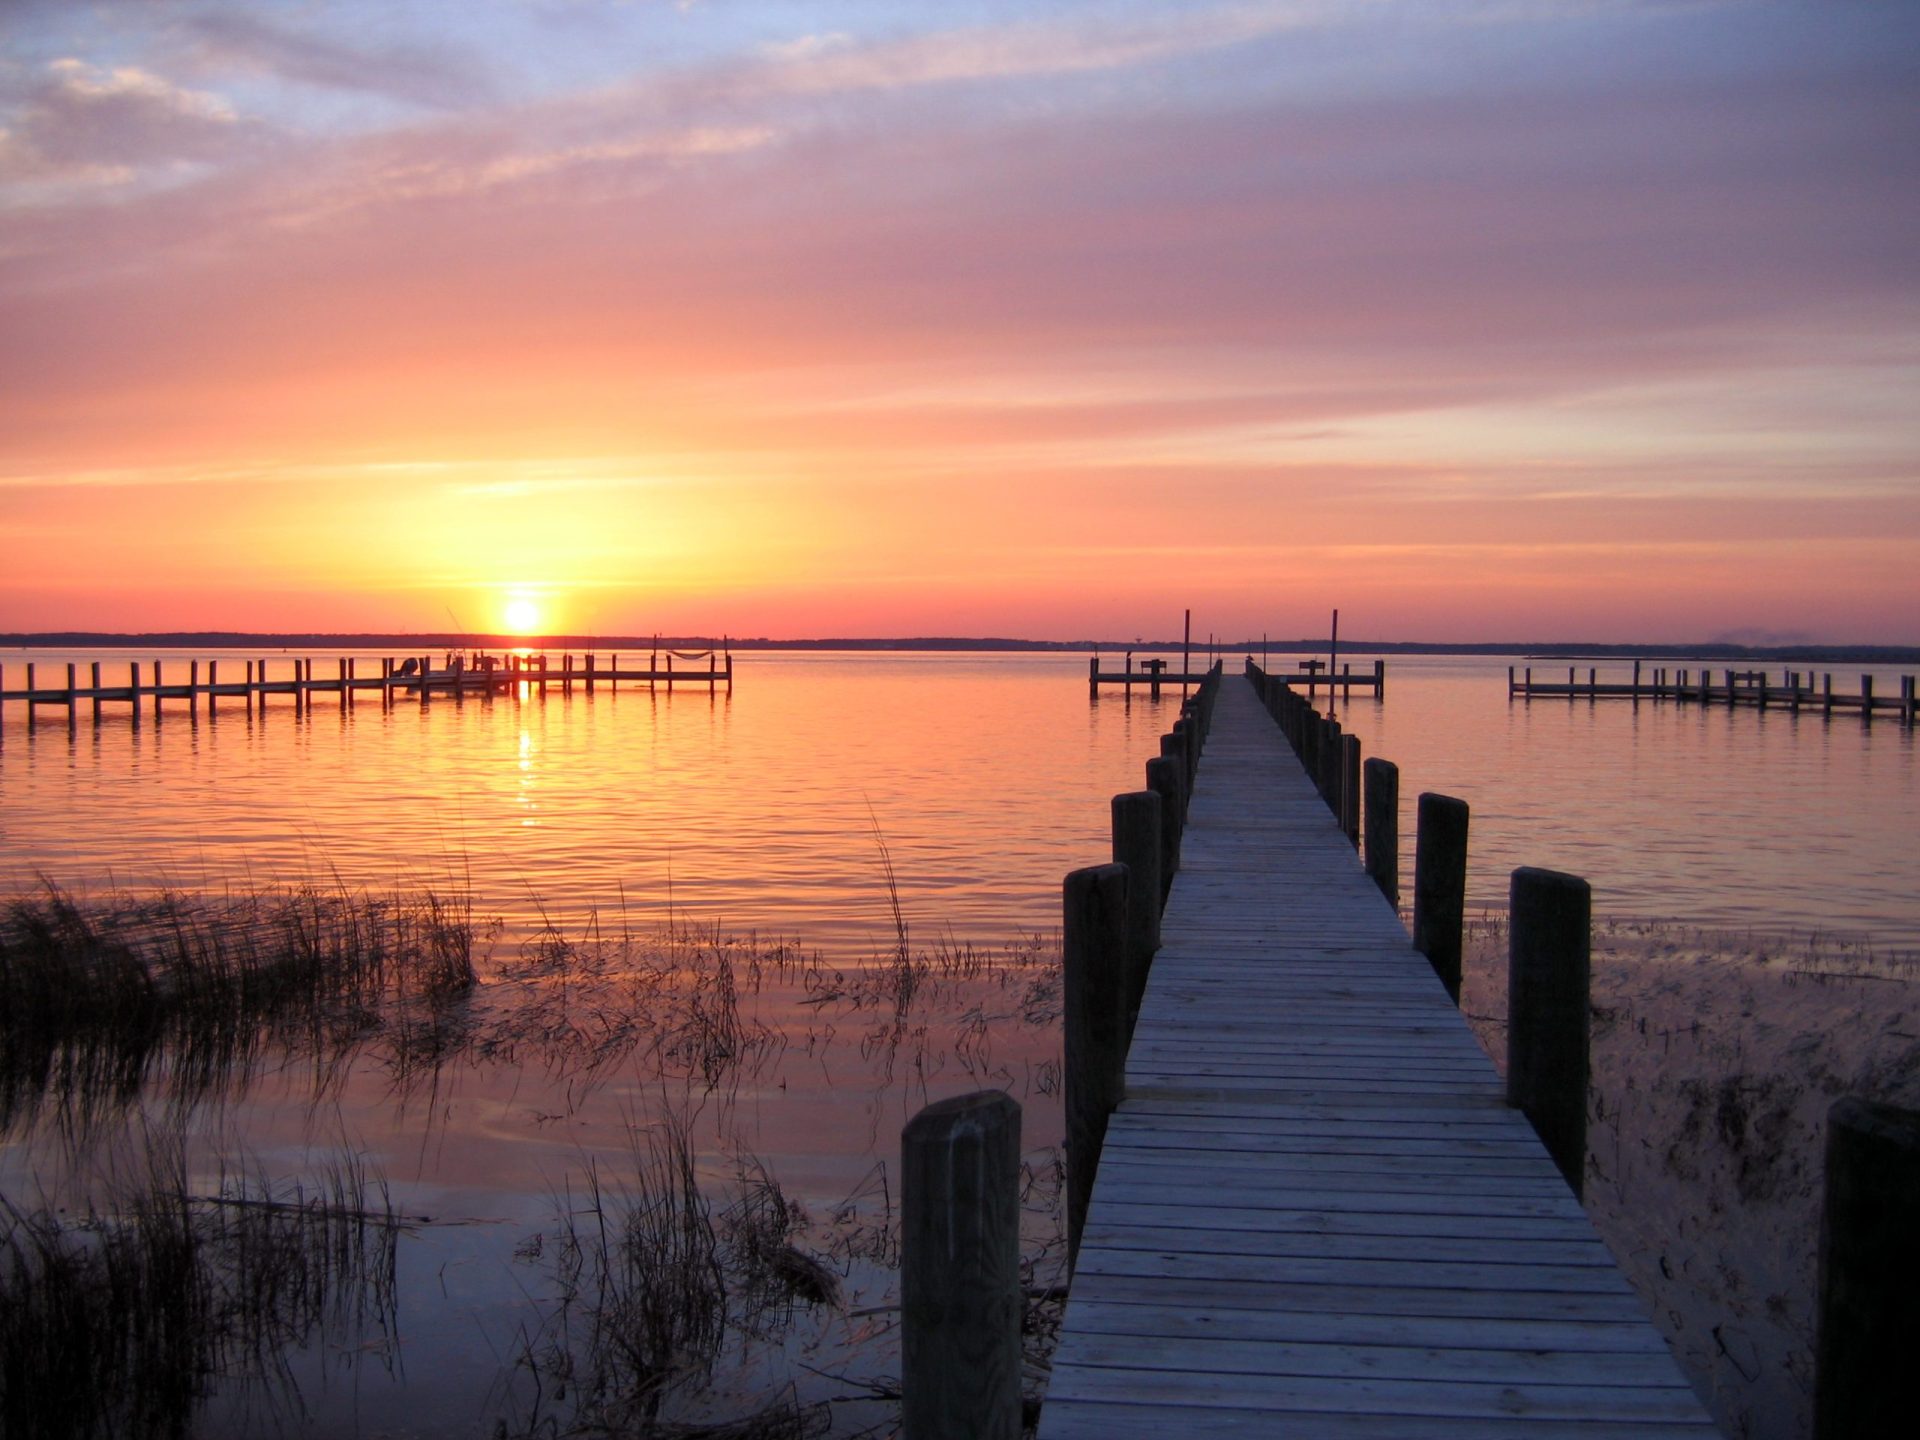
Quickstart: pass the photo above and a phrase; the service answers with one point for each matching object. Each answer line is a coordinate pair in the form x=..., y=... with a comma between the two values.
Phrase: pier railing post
x=1865, y=1382
x=1382, y=806
x=1093, y=970
x=1550, y=938
x=960, y=1296
x=1350, y=788
x=1440, y=885
x=1163, y=780
x=1136, y=845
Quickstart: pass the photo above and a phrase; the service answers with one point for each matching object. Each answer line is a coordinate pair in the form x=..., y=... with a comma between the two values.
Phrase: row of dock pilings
x=1868, y=1306
x=961, y=1300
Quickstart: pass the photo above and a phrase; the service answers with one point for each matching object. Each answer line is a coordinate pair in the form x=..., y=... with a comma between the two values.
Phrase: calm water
x=985, y=776
x=981, y=779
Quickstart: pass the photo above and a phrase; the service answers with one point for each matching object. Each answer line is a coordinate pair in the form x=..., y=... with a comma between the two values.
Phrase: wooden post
x=1186, y=647
x=1093, y=677
x=1380, y=678
x=1164, y=780
x=960, y=1293
x=1173, y=746
x=1350, y=787
x=1548, y=964
x=1636, y=682
x=73, y=699
x=1440, y=885
x=1382, y=805
x=1826, y=694
x=1866, y=698
x=1865, y=1382
x=1906, y=700
x=1136, y=845
x=1093, y=978
x=133, y=691
x=589, y=672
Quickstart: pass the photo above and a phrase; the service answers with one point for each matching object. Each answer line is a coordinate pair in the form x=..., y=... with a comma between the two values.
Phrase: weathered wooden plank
x=1586, y=1338
x=1077, y=1419
x=1426, y=1397
x=1520, y=1364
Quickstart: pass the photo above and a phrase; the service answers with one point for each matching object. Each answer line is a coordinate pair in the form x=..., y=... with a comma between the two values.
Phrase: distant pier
x=1793, y=691
x=1312, y=676
x=415, y=677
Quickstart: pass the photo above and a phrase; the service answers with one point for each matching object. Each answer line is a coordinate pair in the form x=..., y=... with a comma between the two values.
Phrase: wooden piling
x=1136, y=845
x=1866, y=698
x=1550, y=938
x=1093, y=971
x=1382, y=807
x=1865, y=1383
x=1350, y=787
x=1163, y=780
x=960, y=1292
x=1440, y=885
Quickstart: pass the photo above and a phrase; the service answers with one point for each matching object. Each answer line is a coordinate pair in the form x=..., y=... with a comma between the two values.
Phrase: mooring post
x=1162, y=780
x=1864, y=1379
x=1136, y=845
x=1550, y=935
x=1382, y=805
x=1906, y=700
x=1350, y=788
x=1440, y=885
x=1866, y=698
x=1379, y=679
x=1173, y=746
x=1093, y=978
x=960, y=1294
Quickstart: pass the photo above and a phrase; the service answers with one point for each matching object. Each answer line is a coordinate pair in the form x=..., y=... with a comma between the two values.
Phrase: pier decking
x=1314, y=1213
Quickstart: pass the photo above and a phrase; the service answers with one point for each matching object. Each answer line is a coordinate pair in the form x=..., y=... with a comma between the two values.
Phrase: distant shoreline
x=1533, y=649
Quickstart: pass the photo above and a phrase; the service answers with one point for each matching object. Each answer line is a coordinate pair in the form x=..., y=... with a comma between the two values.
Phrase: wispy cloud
x=442, y=75
x=78, y=121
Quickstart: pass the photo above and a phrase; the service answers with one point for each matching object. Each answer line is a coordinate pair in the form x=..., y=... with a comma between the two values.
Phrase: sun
x=522, y=615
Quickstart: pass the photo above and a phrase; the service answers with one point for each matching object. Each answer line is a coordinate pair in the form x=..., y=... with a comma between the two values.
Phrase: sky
x=1476, y=319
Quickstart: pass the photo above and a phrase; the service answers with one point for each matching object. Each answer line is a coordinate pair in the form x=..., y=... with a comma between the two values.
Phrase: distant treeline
x=410, y=644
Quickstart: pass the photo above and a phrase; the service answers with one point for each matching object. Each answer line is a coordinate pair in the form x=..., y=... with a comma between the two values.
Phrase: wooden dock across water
x=513, y=674
x=1314, y=1214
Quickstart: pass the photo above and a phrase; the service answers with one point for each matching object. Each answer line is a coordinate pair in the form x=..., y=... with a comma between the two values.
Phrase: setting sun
x=522, y=615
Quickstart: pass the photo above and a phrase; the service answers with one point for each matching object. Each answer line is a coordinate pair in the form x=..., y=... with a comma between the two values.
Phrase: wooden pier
x=1794, y=691
x=1313, y=1212
x=514, y=675
x=1312, y=675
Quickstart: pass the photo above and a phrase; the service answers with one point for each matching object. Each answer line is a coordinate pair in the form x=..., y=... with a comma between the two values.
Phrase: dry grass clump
x=667, y=1002
x=654, y=1288
x=97, y=995
x=118, y=1322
